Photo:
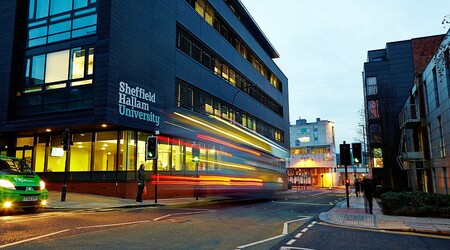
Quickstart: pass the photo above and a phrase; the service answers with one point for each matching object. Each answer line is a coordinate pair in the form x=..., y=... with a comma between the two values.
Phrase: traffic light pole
x=346, y=186
x=155, y=171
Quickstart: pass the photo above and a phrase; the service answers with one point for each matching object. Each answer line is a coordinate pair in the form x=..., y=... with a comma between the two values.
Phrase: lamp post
x=243, y=88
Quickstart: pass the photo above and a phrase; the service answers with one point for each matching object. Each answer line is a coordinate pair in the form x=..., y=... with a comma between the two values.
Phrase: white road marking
x=304, y=230
x=298, y=235
x=314, y=222
x=304, y=203
x=285, y=232
x=294, y=248
x=259, y=242
x=35, y=217
x=331, y=203
x=310, y=225
x=286, y=224
x=116, y=224
x=187, y=213
x=34, y=238
x=290, y=242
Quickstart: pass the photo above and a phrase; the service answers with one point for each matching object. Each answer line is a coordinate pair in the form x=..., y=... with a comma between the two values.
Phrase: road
x=324, y=236
x=225, y=224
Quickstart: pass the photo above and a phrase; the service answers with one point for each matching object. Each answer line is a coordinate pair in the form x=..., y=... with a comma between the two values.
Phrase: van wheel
x=30, y=209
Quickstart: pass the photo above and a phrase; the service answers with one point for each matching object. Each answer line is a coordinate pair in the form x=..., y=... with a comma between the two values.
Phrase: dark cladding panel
x=7, y=21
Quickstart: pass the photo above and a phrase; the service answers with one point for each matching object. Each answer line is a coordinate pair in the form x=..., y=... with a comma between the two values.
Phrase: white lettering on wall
x=135, y=102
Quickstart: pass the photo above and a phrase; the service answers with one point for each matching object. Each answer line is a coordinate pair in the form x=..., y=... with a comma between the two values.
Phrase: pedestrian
x=357, y=187
x=141, y=183
x=367, y=186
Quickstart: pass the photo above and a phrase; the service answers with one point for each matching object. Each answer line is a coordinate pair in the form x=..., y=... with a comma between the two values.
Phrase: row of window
x=191, y=46
x=124, y=150
x=205, y=10
x=59, y=69
x=310, y=150
x=57, y=81
x=57, y=20
x=196, y=100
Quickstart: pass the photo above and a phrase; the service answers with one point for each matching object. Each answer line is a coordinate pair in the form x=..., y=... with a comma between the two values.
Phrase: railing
x=410, y=113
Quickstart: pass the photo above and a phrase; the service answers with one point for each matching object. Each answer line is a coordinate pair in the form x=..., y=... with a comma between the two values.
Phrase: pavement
x=352, y=216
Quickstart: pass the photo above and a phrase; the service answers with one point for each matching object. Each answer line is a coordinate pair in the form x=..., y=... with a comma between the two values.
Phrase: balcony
x=409, y=116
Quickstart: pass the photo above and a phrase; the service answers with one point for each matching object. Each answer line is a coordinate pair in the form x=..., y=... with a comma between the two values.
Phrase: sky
x=323, y=45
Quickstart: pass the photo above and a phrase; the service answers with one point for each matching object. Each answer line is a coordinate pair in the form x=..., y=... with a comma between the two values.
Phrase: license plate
x=29, y=198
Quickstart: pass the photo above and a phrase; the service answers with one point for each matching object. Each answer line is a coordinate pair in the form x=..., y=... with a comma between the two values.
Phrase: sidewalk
x=356, y=216
x=90, y=201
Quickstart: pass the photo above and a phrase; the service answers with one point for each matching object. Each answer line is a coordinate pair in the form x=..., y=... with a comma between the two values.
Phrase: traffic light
x=151, y=149
x=195, y=154
x=345, y=154
x=347, y=182
x=356, y=150
x=67, y=140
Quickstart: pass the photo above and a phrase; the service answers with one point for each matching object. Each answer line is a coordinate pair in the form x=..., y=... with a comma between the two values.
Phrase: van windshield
x=14, y=166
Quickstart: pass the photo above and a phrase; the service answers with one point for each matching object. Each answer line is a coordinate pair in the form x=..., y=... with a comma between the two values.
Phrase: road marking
x=331, y=203
x=298, y=235
x=314, y=222
x=304, y=230
x=34, y=238
x=285, y=232
x=304, y=203
x=34, y=217
x=310, y=225
x=259, y=242
x=187, y=213
x=116, y=224
x=286, y=224
x=294, y=248
x=290, y=242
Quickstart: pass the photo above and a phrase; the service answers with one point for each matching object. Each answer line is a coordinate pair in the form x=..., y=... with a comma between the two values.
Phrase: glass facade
x=51, y=21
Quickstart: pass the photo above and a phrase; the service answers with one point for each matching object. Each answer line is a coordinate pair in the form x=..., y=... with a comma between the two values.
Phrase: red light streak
x=205, y=180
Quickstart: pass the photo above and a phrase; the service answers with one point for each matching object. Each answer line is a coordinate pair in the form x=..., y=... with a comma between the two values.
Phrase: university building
x=194, y=73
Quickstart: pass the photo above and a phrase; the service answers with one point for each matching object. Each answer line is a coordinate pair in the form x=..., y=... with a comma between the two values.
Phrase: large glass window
x=57, y=156
x=105, y=153
x=57, y=66
x=127, y=150
x=371, y=85
x=37, y=70
x=57, y=20
x=373, y=109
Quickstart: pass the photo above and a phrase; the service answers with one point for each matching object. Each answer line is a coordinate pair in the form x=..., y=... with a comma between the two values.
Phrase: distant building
x=425, y=123
x=387, y=78
x=313, y=153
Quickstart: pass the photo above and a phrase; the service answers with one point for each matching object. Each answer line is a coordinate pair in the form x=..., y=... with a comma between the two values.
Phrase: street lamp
x=240, y=89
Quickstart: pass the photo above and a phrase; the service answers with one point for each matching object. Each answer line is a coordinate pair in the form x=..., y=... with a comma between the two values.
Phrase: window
x=304, y=139
x=57, y=66
x=105, y=150
x=373, y=109
x=207, y=12
x=441, y=137
x=57, y=20
x=371, y=86
x=436, y=88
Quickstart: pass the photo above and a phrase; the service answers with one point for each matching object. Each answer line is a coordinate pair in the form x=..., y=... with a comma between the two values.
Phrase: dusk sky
x=323, y=45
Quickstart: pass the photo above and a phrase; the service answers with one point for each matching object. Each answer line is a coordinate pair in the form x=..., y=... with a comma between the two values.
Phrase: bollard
x=63, y=192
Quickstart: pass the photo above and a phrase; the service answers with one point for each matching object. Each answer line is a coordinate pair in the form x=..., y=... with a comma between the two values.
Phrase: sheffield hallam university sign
x=135, y=102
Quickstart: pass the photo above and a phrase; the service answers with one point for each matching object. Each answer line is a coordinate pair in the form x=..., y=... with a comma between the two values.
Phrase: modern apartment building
x=424, y=120
x=313, y=154
x=387, y=79
x=195, y=73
